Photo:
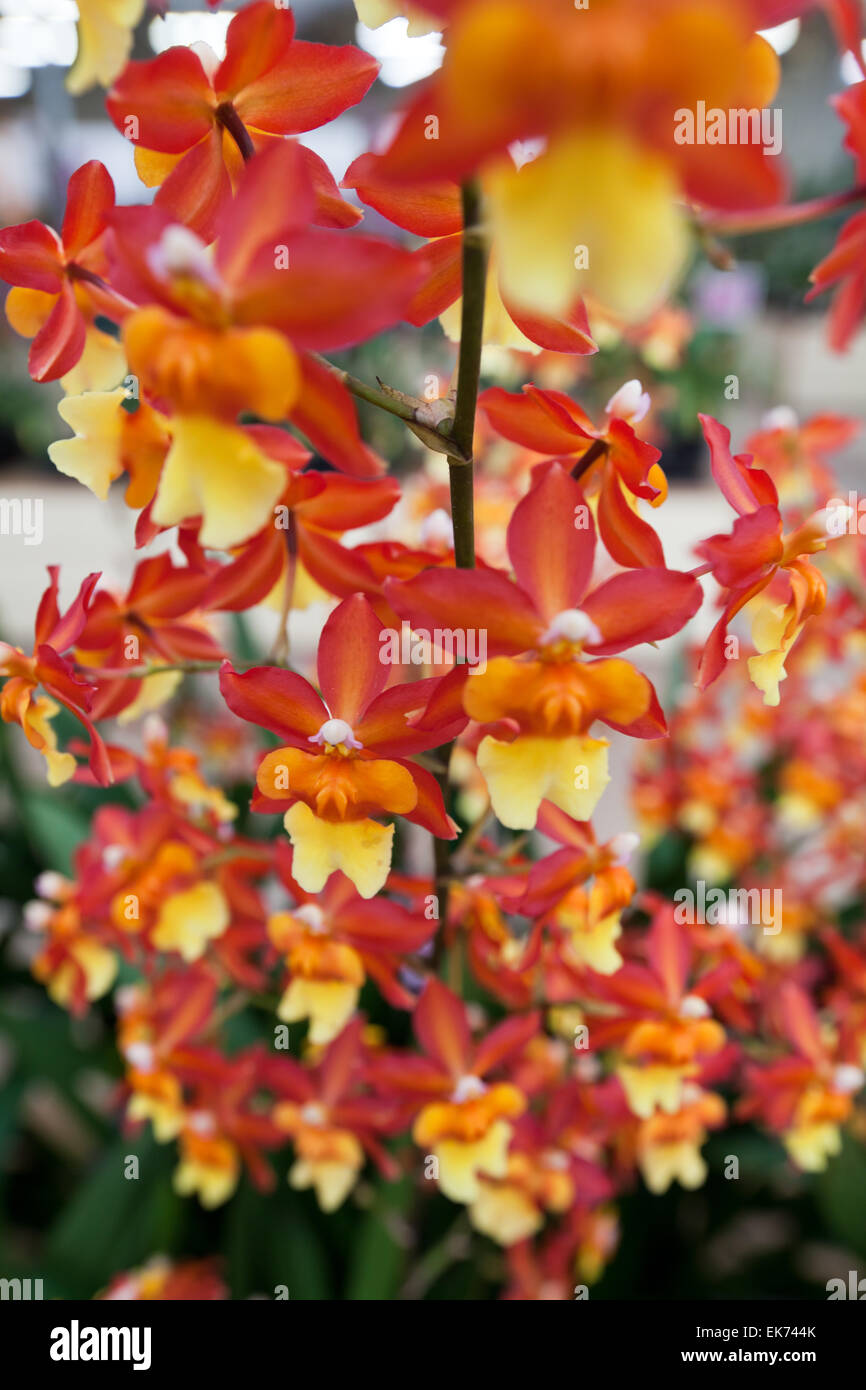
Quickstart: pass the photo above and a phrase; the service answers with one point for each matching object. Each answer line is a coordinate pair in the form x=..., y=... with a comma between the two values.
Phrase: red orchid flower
x=235, y=329
x=662, y=1023
x=808, y=1095
x=194, y=119
x=158, y=619
x=20, y=703
x=845, y=267
x=58, y=280
x=747, y=561
x=612, y=459
x=347, y=752
x=553, y=877
x=463, y=1121
x=332, y=1122
x=539, y=627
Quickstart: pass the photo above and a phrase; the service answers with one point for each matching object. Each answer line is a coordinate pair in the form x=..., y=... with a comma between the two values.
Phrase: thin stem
x=455, y=1245
x=394, y=403
x=784, y=215
x=460, y=466
x=372, y=394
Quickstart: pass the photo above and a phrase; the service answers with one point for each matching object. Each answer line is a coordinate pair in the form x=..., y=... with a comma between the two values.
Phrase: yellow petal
x=810, y=1146
x=331, y=1181
x=93, y=457
x=101, y=366
x=647, y=1087
x=213, y=1185
x=215, y=471
x=104, y=41
x=505, y=1214
x=361, y=849
x=767, y=670
x=166, y=1118
x=594, y=214
x=188, y=920
x=662, y=1164
x=461, y=1161
x=59, y=766
x=570, y=772
x=27, y=310
x=154, y=166
x=328, y=1004
x=594, y=945
x=153, y=691
x=376, y=12
x=99, y=966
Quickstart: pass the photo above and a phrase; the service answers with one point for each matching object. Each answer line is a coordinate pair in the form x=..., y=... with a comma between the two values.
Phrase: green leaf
x=839, y=1192
x=56, y=827
x=378, y=1257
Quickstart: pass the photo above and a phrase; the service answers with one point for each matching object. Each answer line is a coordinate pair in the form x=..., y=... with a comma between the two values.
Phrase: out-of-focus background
x=57, y=1130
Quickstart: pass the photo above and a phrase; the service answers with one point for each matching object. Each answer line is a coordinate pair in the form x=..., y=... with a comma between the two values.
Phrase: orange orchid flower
x=48, y=668
x=748, y=561
x=358, y=765
x=58, y=285
x=610, y=461
x=539, y=688
x=194, y=119
x=464, y=1121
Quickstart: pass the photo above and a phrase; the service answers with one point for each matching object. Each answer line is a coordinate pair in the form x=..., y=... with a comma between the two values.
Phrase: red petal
x=425, y=209
x=345, y=503
x=443, y=598
x=338, y=569
x=257, y=38
x=571, y=334
x=336, y=290
x=669, y=953
x=60, y=341
x=745, y=488
x=275, y=198
x=274, y=699
x=505, y=1039
x=332, y=210
x=441, y=1028
x=198, y=187
x=311, y=85
x=170, y=97
x=385, y=727
x=748, y=553
x=429, y=810
x=248, y=579
x=641, y=606
x=350, y=666
x=441, y=262
x=89, y=200
x=31, y=256
x=524, y=420
x=551, y=555
x=628, y=539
